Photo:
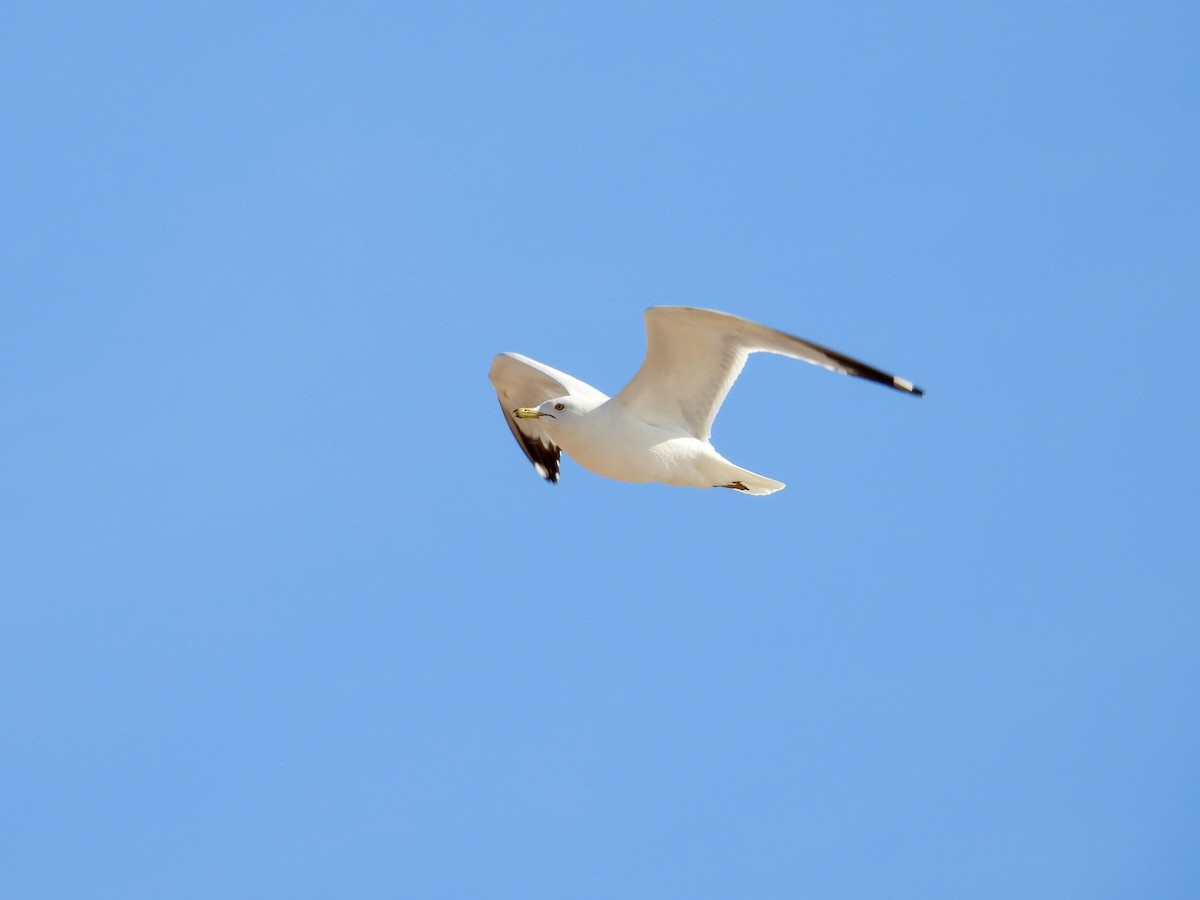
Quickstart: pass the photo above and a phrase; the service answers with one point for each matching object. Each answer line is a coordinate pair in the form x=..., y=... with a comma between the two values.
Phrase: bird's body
x=610, y=442
x=656, y=429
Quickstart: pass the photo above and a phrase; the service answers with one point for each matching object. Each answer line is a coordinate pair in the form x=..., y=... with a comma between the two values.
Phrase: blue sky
x=287, y=614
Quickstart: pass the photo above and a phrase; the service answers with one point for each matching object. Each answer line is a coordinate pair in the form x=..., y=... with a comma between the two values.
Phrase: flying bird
x=657, y=427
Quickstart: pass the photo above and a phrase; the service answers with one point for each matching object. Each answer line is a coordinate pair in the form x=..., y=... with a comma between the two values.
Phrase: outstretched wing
x=693, y=357
x=521, y=381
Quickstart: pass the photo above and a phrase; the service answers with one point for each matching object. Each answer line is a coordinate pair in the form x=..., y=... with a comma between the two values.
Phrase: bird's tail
x=752, y=483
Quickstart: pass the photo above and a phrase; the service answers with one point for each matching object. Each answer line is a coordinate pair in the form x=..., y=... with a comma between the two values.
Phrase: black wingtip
x=903, y=384
x=547, y=468
x=542, y=454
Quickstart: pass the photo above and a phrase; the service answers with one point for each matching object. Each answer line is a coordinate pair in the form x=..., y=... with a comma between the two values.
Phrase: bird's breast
x=625, y=448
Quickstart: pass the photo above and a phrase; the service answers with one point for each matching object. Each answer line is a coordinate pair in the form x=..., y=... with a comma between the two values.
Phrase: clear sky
x=286, y=613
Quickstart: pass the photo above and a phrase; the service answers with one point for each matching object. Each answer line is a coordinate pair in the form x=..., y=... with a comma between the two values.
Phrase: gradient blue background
x=287, y=614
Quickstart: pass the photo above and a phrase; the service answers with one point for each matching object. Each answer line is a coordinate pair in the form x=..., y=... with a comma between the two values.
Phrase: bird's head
x=557, y=413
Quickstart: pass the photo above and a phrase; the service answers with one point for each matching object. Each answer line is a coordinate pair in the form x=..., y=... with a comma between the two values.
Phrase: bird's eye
x=560, y=406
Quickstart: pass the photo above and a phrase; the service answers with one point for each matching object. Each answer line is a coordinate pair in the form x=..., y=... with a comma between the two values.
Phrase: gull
x=657, y=427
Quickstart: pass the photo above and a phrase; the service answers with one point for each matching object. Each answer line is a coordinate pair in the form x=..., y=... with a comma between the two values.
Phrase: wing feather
x=693, y=357
x=521, y=381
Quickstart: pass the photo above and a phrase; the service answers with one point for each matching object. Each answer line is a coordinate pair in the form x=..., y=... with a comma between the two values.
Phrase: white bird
x=657, y=427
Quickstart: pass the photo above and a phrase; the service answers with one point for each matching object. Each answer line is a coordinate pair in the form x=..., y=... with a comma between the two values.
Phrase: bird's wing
x=693, y=356
x=521, y=381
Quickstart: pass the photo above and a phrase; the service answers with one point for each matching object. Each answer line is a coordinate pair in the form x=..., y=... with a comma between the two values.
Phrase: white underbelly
x=648, y=454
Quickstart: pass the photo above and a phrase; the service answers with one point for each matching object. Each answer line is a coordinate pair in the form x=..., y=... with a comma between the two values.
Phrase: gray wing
x=521, y=381
x=693, y=357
